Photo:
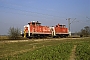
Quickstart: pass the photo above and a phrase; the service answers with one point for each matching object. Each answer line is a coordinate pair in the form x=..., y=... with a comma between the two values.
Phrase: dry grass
x=3, y=37
x=6, y=37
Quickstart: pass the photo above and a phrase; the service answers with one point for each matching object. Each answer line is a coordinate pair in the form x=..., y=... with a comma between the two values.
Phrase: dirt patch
x=72, y=56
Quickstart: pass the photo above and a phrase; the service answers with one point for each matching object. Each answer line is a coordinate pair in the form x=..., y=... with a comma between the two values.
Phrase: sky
x=17, y=13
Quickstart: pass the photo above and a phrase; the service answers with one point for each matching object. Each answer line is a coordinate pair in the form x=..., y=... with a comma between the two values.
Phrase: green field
x=53, y=49
x=83, y=51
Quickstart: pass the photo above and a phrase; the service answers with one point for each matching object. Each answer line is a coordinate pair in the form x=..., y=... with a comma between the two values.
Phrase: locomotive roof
x=33, y=22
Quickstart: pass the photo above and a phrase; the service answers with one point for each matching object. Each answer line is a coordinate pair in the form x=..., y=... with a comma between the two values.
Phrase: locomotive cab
x=30, y=28
x=34, y=29
x=61, y=30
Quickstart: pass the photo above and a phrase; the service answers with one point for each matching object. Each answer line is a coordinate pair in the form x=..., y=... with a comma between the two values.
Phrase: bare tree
x=14, y=33
x=85, y=31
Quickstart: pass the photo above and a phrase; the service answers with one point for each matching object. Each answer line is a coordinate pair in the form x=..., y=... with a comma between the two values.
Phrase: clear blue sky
x=17, y=13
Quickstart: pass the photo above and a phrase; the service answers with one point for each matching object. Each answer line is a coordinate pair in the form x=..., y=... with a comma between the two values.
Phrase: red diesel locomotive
x=34, y=29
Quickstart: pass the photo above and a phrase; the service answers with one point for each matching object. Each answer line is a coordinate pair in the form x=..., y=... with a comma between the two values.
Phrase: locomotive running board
x=62, y=33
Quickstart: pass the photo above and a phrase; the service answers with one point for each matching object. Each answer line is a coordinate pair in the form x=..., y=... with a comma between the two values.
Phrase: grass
x=24, y=50
x=47, y=53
